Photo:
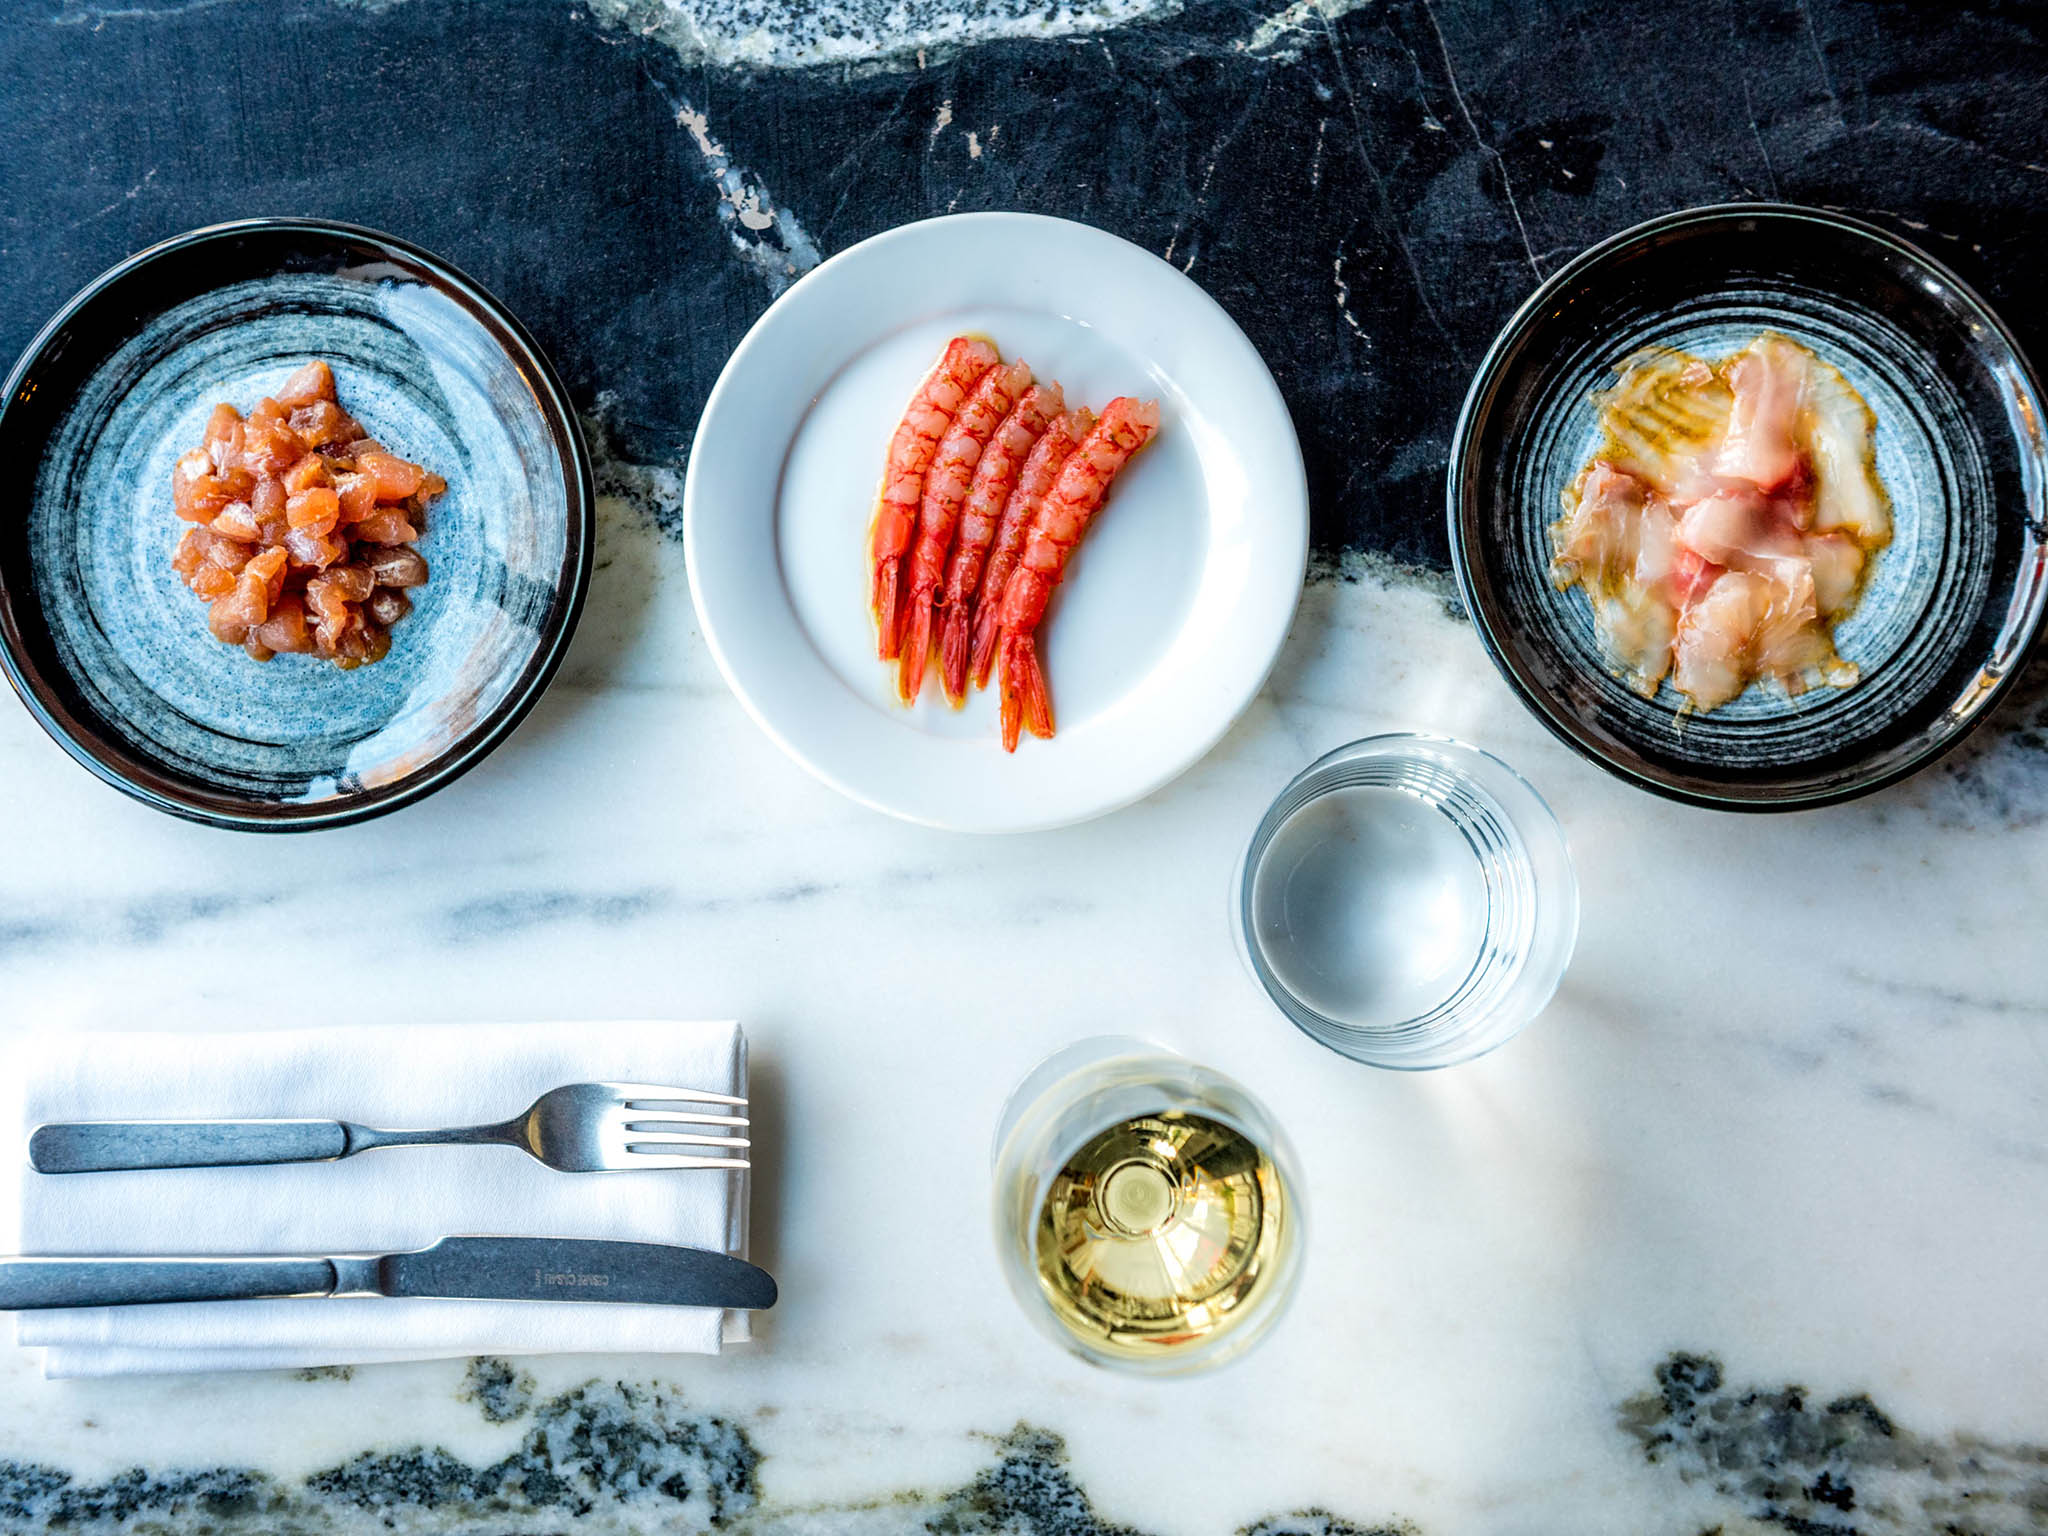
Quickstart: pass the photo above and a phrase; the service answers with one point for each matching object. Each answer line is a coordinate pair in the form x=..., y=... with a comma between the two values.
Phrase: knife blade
x=464, y=1268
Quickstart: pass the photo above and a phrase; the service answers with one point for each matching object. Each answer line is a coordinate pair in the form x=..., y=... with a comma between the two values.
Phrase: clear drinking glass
x=1408, y=901
x=1148, y=1214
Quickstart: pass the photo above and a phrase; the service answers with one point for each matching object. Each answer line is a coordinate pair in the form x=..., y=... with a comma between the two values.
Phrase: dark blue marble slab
x=1370, y=192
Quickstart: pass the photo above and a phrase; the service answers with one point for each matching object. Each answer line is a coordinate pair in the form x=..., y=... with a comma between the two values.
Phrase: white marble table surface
x=1752, y=1216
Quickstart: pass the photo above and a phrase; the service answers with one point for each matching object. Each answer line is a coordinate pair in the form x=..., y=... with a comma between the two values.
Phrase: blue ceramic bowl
x=1952, y=605
x=111, y=652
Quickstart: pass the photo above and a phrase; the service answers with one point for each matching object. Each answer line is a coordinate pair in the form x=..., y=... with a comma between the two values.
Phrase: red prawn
x=995, y=479
x=946, y=485
x=1041, y=468
x=1062, y=518
x=931, y=410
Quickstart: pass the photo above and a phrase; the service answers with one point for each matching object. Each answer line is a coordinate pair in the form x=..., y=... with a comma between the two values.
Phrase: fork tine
x=664, y=1160
x=660, y=1118
x=635, y=1137
x=638, y=1095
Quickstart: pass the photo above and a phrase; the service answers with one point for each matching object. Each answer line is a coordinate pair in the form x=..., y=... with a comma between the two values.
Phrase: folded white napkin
x=381, y=1201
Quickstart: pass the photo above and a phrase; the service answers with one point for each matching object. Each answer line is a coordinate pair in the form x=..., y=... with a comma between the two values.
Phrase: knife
x=468, y=1268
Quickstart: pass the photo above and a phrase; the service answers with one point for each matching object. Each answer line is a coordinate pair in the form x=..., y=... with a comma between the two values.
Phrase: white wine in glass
x=1146, y=1209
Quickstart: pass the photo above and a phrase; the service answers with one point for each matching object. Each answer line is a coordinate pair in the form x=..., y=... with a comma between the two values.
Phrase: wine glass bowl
x=1148, y=1214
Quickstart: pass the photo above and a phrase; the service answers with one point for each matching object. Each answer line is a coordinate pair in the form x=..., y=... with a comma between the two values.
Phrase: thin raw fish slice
x=1727, y=522
x=1041, y=468
x=931, y=410
x=1748, y=531
x=1617, y=541
x=995, y=479
x=1663, y=417
x=1760, y=442
x=1838, y=563
x=1062, y=518
x=1841, y=439
x=1755, y=626
x=946, y=485
x=1715, y=642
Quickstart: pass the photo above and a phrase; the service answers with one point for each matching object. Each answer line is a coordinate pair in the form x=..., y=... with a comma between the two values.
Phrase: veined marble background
x=1785, y=1115
x=1745, y=1233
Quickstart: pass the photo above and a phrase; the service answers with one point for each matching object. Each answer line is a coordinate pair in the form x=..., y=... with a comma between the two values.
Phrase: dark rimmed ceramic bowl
x=110, y=651
x=1953, y=604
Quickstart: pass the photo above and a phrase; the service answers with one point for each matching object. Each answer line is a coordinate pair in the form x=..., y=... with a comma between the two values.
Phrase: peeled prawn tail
x=953, y=653
x=917, y=647
x=888, y=616
x=987, y=625
x=1025, y=700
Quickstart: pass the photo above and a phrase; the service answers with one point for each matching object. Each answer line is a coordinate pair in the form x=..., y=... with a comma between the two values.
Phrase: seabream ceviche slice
x=1726, y=522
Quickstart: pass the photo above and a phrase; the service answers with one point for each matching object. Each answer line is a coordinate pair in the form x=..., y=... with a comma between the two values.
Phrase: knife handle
x=101, y=1146
x=27, y=1284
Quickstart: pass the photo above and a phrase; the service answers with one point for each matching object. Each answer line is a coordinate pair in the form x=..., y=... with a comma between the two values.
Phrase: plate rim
x=30, y=685
x=1566, y=727
x=1199, y=748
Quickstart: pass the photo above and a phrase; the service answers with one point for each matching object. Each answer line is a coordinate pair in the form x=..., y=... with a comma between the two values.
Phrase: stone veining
x=612, y=1457
x=773, y=34
x=602, y=1452
x=501, y=1391
x=1789, y=1458
x=627, y=1457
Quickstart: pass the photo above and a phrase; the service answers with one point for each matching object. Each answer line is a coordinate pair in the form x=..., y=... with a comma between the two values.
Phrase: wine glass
x=1148, y=1212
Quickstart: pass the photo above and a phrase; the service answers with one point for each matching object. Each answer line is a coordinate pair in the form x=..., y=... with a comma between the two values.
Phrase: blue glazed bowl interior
x=112, y=650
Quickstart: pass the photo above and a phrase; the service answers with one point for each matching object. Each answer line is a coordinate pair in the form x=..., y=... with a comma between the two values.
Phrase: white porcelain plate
x=1172, y=609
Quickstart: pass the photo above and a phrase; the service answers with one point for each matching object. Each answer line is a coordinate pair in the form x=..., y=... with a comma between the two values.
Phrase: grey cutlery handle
x=26, y=1284
x=101, y=1146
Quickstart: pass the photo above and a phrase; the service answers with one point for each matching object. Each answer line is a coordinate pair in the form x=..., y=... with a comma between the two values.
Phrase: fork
x=577, y=1128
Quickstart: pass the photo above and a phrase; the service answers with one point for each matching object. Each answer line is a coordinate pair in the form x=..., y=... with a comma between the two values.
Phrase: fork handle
x=102, y=1146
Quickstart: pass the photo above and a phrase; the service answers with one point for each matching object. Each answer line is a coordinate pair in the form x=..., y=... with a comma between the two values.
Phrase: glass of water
x=1408, y=901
